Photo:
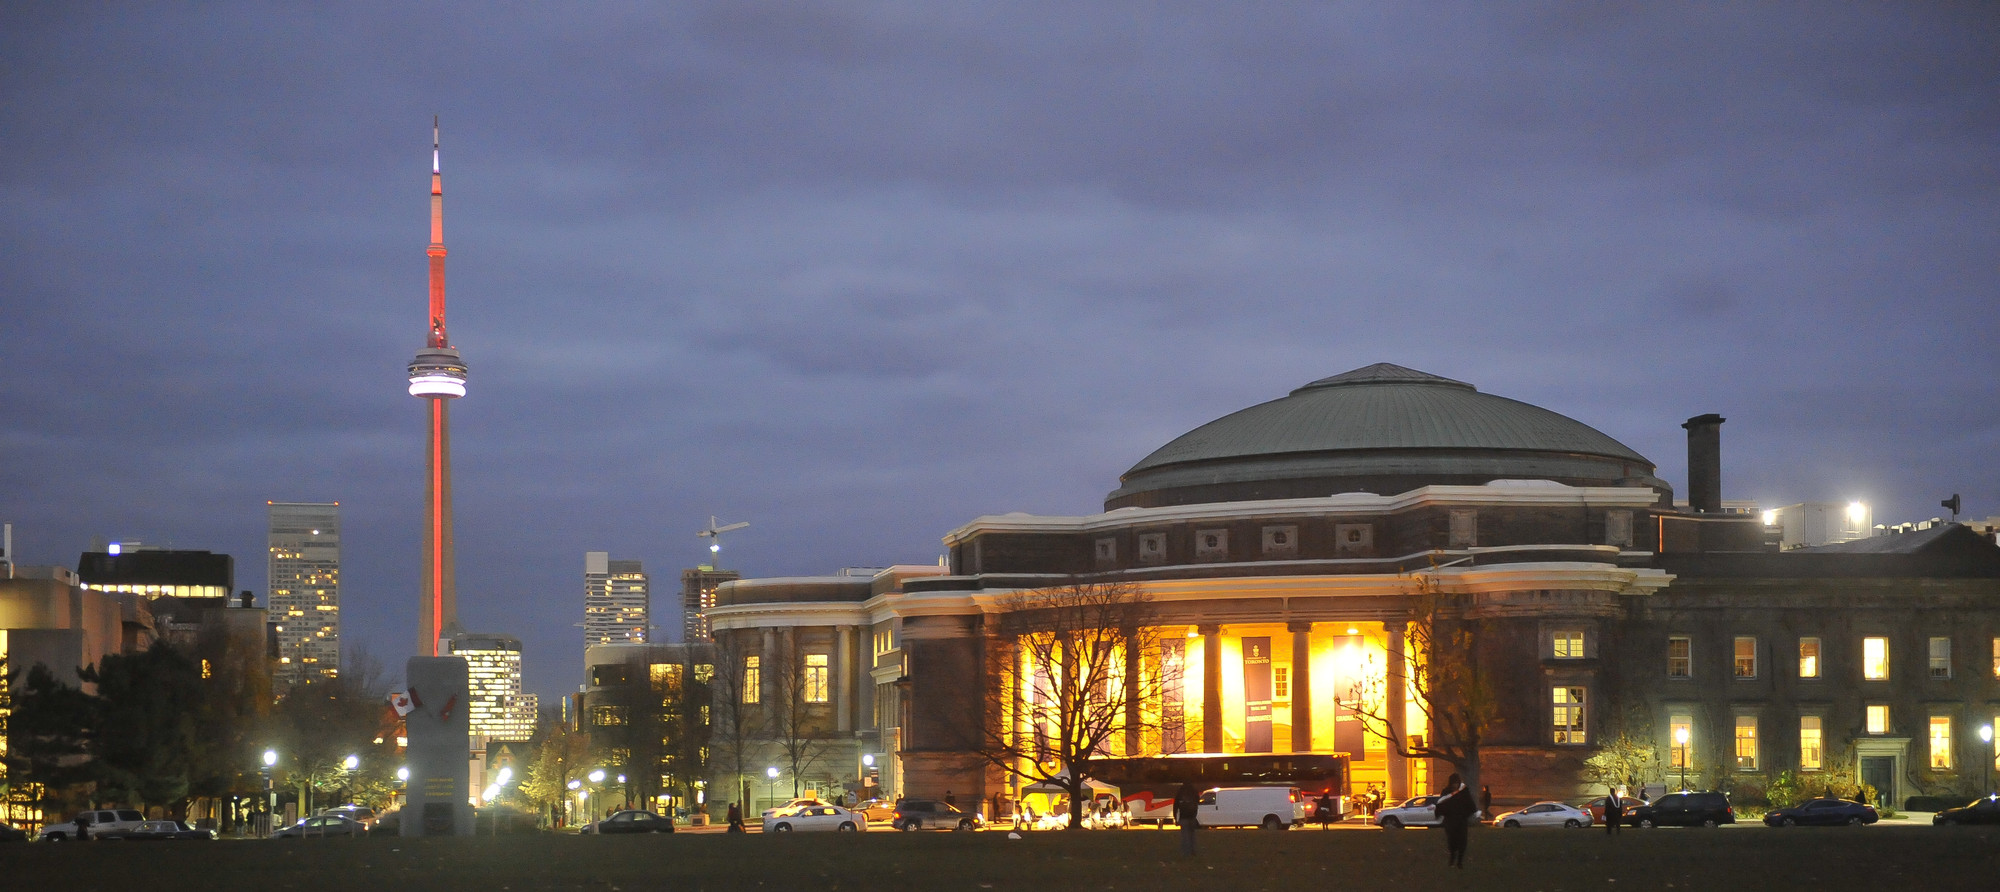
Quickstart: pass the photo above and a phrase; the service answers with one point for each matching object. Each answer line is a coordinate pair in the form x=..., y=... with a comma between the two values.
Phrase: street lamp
x=1986, y=735
x=1680, y=744
x=772, y=773
x=270, y=788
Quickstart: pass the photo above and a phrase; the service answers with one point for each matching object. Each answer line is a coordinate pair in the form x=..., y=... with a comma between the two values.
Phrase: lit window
x=1996, y=658
x=1808, y=657
x=1940, y=657
x=815, y=679
x=1568, y=715
x=1746, y=657
x=1680, y=741
x=1812, y=741
x=753, y=679
x=1878, y=718
x=1746, y=743
x=1875, y=659
x=1941, y=742
x=1281, y=682
x=1679, y=665
x=605, y=716
x=1569, y=645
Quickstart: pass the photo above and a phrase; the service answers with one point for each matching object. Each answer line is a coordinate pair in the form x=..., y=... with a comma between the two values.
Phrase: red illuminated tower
x=437, y=375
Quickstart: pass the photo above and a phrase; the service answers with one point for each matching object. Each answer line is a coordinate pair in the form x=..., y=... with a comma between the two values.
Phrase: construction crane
x=714, y=536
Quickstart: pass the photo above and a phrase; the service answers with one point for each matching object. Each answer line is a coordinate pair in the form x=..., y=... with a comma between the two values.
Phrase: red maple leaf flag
x=401, y=701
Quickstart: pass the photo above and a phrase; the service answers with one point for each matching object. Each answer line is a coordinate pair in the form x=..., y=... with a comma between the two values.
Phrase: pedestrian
x=1454, y=811
x=1485, y=802
x=735, y=818
x=1187, y=811
x=1614, y=813
x=1323, y=810
x=83, y=827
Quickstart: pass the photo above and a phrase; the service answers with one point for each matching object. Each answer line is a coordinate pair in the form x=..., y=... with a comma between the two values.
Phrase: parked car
x=631, y=820
x=319, y=826
x=1416, y=811
x=1272, y=808
x=817, y=817
x=1978, y=811
x=100, y=822
x=877, y=809
x=933, y=814
x=1822, y=812
x=360, y=813
x=1544, y=814
x=1686, y=809
x=150, y=831
x=1629, y=805
x=11, y=833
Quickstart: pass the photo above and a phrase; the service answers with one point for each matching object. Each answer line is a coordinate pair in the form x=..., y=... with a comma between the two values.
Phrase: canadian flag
x=402, y=703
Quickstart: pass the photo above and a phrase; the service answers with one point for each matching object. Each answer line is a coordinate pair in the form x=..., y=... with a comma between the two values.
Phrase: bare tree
x=796, y=713
x=1068, y=677
x=1442, y=676
x=733, y=722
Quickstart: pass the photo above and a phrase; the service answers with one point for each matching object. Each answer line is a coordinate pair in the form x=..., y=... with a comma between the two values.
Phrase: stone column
x=768, y=660
x=843, y=679
x=1132, y=699
x=1211, y=687
x=1302, y=710
x=1397, y=704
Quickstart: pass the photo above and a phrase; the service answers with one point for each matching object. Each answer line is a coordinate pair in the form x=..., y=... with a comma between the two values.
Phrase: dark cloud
x=859, y=273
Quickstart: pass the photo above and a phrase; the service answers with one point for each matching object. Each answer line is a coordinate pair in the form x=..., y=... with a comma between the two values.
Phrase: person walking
x=1485, y=802
x=735, y=818
x=1323, y=810
x=1614, y=811
x=1187, y=810
x=1454, y=811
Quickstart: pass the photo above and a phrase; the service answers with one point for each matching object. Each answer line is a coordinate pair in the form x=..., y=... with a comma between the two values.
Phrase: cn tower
x=437, y=375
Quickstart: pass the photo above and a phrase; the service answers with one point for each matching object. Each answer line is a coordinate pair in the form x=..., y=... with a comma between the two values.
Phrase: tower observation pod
x=437, y=375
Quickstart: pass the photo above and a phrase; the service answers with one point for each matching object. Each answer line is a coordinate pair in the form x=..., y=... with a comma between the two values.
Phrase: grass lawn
x=1743, y=858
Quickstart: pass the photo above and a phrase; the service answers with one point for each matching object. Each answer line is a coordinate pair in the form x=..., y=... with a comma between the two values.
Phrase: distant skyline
x=861, y=272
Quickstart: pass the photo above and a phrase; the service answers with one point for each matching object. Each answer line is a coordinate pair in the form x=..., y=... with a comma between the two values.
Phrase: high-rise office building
x=697, y=596
x=616, y=603
x=497, y=708
x=305, y=589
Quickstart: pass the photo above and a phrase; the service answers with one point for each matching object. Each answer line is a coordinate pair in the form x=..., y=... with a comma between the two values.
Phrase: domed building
x=1381, y=524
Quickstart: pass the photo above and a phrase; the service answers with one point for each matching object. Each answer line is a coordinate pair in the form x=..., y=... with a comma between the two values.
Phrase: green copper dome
x=1383, y=429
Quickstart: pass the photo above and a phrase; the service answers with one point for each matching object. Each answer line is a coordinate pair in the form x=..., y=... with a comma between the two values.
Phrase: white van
x=1272, y=808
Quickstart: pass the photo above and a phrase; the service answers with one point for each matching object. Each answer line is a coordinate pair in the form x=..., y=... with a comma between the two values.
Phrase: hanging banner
x=1256, y=695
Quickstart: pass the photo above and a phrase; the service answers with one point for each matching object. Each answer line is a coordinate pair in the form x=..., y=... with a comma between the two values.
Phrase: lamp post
x=1986, y=736
x=270, y=789
x=1680, y=744
x=772, y=773
x=596, y=784
x=576, y=786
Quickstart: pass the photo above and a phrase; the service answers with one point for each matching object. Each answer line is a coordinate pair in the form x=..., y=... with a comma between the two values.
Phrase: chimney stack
x=1705, y=463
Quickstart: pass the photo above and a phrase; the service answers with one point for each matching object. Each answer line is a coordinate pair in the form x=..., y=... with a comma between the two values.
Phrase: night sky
x=860, y=272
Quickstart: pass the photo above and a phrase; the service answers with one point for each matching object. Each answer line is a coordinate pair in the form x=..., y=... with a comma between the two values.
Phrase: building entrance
x=1879, y=772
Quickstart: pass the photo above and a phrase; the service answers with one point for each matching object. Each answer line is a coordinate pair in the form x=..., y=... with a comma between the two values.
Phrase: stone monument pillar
x=440, y=735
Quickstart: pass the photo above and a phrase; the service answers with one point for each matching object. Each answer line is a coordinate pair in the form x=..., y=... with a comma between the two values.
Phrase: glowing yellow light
x=1856, y=512
x=1770, y=517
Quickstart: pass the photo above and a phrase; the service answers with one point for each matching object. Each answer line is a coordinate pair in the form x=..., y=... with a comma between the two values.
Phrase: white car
x=1545, y=814
x=1416, y=811
x=816, y=817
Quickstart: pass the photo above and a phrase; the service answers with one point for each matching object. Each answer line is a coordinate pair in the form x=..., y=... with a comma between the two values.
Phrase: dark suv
x=931, y=814
x=1686, y=810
